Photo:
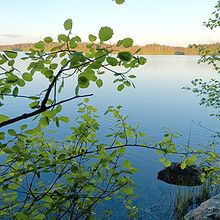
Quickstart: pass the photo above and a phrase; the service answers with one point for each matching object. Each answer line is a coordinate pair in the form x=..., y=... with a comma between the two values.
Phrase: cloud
x=11, y=35
x=6, y=38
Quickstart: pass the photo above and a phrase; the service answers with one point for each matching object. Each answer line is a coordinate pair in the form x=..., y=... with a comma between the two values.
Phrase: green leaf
x=48, y=40
x=92, y=38
x=3, y=118
x=120, y=87
x=16, y=148
x=132, y=76
x=121, y=150
x=112, y=61
x=23, y=127
x=191, y=160
x=73, y=43
x=105, y=33
x=126, y=164
x=27, y=77
x=21, y=216
x=127, y=83
x=162, y=159
x=12, y=132
x=86, y=100
x=11, y=54
x=12, y=79
x=34, y=104
x=83, y=82
x=213, y=155
x=99, y=83
x=53, y=66
x=56, y=120
x=142, y=60
x=3, y=59
x=39, y=217
x=77, y=39
x=142, y=134
x=11, y=62
x=167, y=163
x=2, y=135
x=68, y=24
x=59, y=108
x=62, y=37
x=77, y=90
x=49, y=102
x=15, y=91
x=21, y=82
x=7, y=150
x=48, y=199
x=6, y=90
x=125, y=56
x=183, y=165
x=127, y=191
x=127, y=42
x=64, y=62
x=47, y=73
x=119, y=43
x=39, y=45
x=44, y=121
x=159, y=152
x=50, y=114
x=64, y=119
x=33, y=131
x=120, y=1
x=138, y=50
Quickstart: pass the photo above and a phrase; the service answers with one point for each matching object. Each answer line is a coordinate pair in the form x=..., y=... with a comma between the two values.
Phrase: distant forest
x=149, y=49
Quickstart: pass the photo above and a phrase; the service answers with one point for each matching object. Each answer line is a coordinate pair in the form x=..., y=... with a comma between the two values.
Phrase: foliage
x=41, y=177
x=209, y=93
x=45, y=178
x=214, y=22
x=210, y=56
x=88, y=68
x=82, y=171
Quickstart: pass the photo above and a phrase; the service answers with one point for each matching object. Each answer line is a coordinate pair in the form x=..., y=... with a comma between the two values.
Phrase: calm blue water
x=157, y=103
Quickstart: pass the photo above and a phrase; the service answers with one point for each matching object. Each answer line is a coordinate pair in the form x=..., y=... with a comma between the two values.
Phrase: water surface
x=157, y=103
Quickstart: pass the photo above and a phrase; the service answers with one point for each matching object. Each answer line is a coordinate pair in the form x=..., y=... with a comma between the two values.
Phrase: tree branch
x=38, y=111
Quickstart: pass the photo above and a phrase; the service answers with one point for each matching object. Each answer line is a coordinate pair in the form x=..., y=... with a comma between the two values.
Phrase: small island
x=179, y=53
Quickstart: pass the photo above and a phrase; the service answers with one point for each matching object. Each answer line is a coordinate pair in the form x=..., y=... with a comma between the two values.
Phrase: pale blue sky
x=171, y=22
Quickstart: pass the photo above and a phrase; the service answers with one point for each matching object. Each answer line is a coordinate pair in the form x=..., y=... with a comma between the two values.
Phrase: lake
x=158, y=103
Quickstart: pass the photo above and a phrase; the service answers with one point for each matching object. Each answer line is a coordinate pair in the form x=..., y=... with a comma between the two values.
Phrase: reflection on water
x=157, y=103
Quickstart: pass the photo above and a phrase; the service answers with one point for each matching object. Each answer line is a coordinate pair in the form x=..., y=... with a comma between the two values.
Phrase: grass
x=190, y=199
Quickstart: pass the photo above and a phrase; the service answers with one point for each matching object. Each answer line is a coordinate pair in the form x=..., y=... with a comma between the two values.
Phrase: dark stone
x=190, y=176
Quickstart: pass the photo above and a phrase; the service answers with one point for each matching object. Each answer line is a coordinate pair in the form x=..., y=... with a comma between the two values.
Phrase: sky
x=169, y=22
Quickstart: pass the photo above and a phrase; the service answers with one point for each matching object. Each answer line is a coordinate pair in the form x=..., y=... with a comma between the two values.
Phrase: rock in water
x=208, y=210
x=190, y=176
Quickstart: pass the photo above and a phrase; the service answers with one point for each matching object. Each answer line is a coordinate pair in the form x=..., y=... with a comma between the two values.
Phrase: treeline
x=149, y=49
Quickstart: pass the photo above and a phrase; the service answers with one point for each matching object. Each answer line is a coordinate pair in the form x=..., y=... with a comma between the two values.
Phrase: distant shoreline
x=148, y=49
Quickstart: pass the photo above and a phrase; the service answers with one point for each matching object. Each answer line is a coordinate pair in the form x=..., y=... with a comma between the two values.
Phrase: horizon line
x=140, y=45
